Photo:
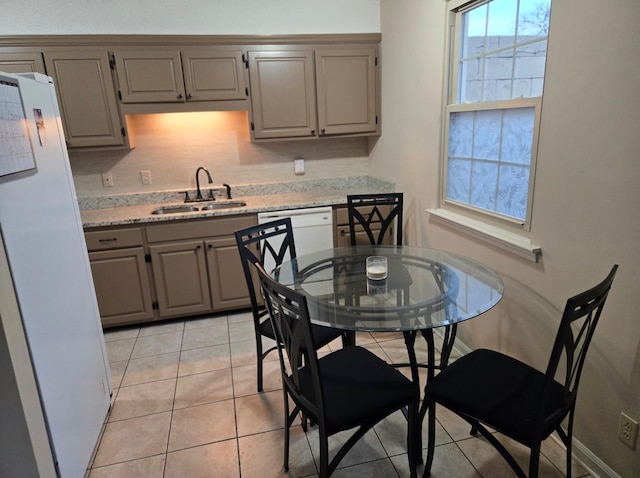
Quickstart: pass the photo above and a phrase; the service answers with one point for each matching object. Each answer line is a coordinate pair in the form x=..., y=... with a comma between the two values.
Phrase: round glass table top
x=424, y=288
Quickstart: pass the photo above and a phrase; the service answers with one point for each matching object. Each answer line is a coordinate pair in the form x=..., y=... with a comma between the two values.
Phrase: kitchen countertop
x=136, y=208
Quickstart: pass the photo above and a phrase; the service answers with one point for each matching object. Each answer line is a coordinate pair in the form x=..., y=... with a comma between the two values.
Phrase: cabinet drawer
x=221, y=226
x=113, y=239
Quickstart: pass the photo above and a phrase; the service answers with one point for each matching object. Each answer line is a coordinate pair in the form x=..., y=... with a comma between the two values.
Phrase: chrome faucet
x=198, y=192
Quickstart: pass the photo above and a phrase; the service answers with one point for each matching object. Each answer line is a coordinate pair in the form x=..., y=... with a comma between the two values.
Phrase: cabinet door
x=346, y=82
x=86, y=96
x=122, y=286
x=23, y=62
x=283, y=97
x=213, y=74
x=228, y=285
x=149, y=76
x=180, y=277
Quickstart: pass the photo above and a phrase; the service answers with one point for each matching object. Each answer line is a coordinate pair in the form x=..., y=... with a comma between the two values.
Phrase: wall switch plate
x=145, y=175
x=107, y=180
x=298, y=166
x=628, y=431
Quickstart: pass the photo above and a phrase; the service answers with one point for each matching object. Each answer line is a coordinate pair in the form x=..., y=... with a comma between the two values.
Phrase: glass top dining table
x=424, y=288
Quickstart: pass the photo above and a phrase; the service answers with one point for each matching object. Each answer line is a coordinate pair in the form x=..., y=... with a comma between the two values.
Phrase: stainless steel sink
x=209, y=207
x=223, y=205
x=174, y=209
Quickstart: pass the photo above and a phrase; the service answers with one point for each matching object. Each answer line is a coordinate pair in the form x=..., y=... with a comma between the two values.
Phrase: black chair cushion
x=469, y=386
x=359, y=388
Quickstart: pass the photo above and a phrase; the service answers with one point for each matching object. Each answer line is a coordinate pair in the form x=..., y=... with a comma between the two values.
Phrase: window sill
x=505, y=240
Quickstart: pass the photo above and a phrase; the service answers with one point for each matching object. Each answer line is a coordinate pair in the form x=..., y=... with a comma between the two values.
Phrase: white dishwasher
x=312, y=229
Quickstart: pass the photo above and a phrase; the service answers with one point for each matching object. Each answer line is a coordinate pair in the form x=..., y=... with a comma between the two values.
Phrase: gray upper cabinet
x=179, y=75
x=21, y=62
x=331, y=91
x=86, y=95
x=213, y=74
x=282, y=94
x=346, y=87
x=149, y=76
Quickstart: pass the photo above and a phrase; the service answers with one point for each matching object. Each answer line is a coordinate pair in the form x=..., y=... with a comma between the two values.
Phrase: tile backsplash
x=172, y=146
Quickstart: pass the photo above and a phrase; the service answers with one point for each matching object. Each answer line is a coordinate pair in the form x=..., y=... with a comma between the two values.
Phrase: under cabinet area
x=172, y=269
x=298, y=93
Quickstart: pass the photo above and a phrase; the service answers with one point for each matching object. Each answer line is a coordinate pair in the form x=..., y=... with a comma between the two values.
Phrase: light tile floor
x=185, y=405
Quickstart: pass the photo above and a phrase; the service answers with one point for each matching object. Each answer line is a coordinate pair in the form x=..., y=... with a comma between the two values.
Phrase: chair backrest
x=292, y=328
x=273, y=240
x=578, y=323
x=376, y=216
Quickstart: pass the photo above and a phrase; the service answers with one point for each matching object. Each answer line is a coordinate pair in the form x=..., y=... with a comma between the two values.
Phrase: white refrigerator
x=49, y=272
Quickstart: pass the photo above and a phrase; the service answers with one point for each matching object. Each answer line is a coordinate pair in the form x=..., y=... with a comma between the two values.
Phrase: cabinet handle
x=322, y=131
x=189, y=96
x=179, y=96
x=108, y=241
x=313, y=131
x=343, y=232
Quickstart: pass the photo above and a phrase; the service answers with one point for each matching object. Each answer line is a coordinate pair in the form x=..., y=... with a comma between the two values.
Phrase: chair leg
x=413, y=452
x=324, y=454
x=534, y=460
x=259, y=361
x=431, y=438
x=286, y=431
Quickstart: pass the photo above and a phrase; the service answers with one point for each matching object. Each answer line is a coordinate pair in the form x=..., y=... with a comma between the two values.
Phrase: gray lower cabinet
x=180, y=277
x=174, y=269
x=120, y=277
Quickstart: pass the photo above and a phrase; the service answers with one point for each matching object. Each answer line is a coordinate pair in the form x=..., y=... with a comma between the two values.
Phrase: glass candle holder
x=376, y=267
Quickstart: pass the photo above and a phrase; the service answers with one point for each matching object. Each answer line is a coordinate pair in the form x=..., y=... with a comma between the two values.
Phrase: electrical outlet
x=298, y=166
x=145, y=175
x=628, y=431
x=107, y=180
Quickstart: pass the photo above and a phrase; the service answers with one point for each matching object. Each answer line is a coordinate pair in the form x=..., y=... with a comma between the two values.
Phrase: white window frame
x=456, y=9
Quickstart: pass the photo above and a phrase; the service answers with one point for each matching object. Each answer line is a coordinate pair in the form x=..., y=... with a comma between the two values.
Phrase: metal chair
x=375, y=215
x=349, y=388
x=367, y=222
x=275, y=240
x=489, y=389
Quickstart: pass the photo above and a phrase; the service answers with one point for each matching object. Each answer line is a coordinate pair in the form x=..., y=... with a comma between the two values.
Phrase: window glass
x=500, y=58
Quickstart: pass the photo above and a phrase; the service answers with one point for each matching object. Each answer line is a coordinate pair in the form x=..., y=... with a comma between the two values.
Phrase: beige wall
x=252, y=17
x=586, y=195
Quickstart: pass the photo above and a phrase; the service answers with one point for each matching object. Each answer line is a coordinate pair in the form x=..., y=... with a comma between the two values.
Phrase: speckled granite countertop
x=136, y=208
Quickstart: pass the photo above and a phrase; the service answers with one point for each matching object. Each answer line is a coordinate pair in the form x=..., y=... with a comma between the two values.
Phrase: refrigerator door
x=42, y=231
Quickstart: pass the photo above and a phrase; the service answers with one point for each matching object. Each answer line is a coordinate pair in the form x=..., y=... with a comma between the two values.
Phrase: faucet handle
x=228, y=190
x=186, y=196
x=211, y=196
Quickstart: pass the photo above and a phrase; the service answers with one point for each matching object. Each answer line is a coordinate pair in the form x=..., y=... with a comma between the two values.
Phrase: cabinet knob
x=313, y=131
x=179, y=96
x=322, y=131
x=189, y=96
x=199, y=246
x=210, y=246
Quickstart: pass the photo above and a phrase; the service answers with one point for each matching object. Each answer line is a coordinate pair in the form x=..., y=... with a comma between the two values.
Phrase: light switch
x=145, y=175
